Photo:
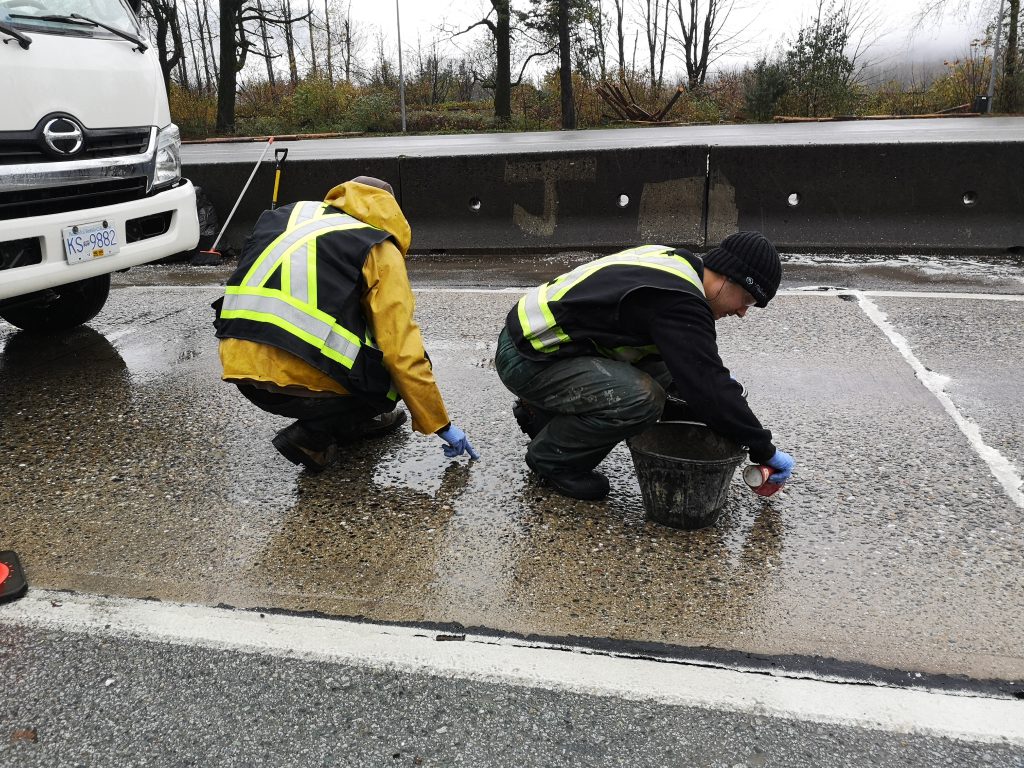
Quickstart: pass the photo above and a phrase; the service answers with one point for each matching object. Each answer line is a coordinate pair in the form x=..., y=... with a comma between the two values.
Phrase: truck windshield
x=43, y=15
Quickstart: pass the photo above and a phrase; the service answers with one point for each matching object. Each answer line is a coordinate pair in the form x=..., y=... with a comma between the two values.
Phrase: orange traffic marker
x=12, y=578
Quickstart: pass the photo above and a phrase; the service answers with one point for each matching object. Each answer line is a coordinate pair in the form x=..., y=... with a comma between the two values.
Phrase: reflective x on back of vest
x=293, y=306
x=537, y=309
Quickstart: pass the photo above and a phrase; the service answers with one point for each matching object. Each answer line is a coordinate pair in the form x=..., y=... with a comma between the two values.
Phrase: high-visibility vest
x=298, y=287
x=578, y=313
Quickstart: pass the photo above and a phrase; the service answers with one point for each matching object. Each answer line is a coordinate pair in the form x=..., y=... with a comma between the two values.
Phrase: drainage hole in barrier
x=474, y=203
x=623, y=201
x=970, y=198
x=793, y=199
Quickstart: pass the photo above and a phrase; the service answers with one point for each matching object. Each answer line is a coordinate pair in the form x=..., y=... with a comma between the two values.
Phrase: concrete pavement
x=136, y=472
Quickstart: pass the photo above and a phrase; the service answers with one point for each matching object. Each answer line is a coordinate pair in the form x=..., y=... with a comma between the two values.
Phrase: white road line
x=115, y=335
x=814, y=291
x=1002, y=468
x=516, y=662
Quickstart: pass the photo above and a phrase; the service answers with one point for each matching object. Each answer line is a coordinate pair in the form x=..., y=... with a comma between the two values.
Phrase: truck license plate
x=90, y=241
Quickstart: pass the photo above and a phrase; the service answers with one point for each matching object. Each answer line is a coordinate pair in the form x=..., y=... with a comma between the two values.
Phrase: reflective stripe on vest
x=293, y=308
x=535, y=315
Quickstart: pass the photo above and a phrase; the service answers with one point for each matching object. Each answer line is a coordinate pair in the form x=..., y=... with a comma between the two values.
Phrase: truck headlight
x=168, y=156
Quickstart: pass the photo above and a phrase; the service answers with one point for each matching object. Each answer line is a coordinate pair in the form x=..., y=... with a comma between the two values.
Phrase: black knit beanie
x=748, y=258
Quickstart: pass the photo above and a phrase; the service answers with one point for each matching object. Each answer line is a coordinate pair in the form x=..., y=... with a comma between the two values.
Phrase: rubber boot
x=378, y=426
x=300, y=446
x=588, y=486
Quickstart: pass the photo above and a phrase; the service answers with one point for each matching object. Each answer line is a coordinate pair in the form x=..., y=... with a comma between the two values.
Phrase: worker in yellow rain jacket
x=316, y=324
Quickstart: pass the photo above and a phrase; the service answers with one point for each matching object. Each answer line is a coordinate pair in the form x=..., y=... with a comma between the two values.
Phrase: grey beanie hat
x=372, y=181
x=749, y=259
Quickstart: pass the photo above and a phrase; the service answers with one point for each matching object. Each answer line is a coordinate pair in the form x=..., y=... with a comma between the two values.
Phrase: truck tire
x=75, y=303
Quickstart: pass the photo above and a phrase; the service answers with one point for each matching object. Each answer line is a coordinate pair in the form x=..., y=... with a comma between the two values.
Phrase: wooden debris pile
x=627, y=108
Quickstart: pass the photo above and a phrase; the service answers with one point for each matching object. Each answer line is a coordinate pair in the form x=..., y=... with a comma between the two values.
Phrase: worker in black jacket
x=591, y=354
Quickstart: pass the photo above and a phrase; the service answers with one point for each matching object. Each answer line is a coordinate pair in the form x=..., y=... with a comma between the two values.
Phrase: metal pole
x=995, y=58
x=401, y=74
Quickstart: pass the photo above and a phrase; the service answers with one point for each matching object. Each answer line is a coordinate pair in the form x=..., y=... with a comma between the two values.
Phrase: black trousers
x=324, y=419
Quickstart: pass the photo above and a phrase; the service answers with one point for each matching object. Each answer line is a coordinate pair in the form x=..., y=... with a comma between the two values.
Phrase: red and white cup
x=756, y=476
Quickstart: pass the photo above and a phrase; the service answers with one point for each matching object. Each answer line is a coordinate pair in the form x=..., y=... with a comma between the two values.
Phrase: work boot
x=300, y=446
x=588, y=486
x=530, y=418
x=378, y=426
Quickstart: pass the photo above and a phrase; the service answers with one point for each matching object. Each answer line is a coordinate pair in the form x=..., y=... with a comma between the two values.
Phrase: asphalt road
x=895, y=556
x=989, y=129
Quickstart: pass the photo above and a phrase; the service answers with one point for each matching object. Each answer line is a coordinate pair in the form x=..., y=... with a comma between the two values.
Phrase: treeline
x=284, y=66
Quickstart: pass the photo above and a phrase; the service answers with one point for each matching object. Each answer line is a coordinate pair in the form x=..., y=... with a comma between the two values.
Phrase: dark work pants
x=596, y=403
x=324, y=419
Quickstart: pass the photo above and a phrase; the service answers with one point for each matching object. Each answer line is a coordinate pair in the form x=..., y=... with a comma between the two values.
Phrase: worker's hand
x=458, y=443
x=783, y=465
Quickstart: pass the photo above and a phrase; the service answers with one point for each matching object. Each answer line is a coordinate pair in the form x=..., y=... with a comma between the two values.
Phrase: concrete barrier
x=905, y=198
x=555, y=201
x=300, y=180
x=952, y=197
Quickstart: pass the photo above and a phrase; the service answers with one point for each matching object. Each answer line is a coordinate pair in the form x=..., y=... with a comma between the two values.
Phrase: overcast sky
x=766, y=29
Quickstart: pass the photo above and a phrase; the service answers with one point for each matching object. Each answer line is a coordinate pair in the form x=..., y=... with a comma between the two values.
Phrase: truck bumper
x=182, y=235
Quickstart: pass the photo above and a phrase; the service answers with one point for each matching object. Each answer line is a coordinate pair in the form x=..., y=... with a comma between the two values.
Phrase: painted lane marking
x=521, y=663
x=115, y=335
x=816, y=291
x=1002, y=468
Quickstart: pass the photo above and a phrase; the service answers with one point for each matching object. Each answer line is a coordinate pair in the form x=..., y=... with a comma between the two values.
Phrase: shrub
x=763, y=86
x=194, y=113
x=372, y=112
x=315, y=106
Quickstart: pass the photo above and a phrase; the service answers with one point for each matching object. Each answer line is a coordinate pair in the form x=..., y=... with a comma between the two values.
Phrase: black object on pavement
x=12, y=578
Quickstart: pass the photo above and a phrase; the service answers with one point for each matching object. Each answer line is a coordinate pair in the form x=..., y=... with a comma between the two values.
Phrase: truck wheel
x=75, y=303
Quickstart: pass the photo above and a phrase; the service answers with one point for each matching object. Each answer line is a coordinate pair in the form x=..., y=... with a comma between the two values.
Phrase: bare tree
x=327, y=42
x=236, y=45
x=201, y=30
x=654, y=14
x=620, y=37
x=312, y=39
x=192, y=47
x=500, y=28
x=287, y=22
x=209, y=34
x=162, y=16
x=701, y=25
x=596, y=23
x=268, y=55
x=351, y=43
x=565, y=66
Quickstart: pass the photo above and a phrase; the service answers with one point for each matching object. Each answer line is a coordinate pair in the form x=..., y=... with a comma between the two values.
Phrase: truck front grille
x=17, y=147
x=40, y=202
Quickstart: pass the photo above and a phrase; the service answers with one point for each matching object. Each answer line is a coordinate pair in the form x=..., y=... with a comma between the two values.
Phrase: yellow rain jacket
x=388, y=306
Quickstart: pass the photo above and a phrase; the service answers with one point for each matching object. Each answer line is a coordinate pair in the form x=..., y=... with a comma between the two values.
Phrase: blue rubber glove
x=458, y=443
x=783, y=463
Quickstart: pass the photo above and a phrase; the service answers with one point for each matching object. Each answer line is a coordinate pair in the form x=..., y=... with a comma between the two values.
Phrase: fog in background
x=899, y=46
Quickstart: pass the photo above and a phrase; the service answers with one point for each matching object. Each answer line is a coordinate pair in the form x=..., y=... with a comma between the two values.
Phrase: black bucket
x=684, y=471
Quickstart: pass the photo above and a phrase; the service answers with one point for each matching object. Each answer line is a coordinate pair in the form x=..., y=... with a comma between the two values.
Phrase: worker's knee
x=645, y=403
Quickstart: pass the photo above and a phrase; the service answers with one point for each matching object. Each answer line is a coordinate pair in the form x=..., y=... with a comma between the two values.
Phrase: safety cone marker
x=12, y=578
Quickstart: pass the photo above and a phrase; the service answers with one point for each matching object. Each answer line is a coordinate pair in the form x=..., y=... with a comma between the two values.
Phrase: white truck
x=90, y=167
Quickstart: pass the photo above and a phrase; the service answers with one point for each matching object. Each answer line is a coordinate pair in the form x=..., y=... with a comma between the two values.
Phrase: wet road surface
x=987, y=129
x=132, y=471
